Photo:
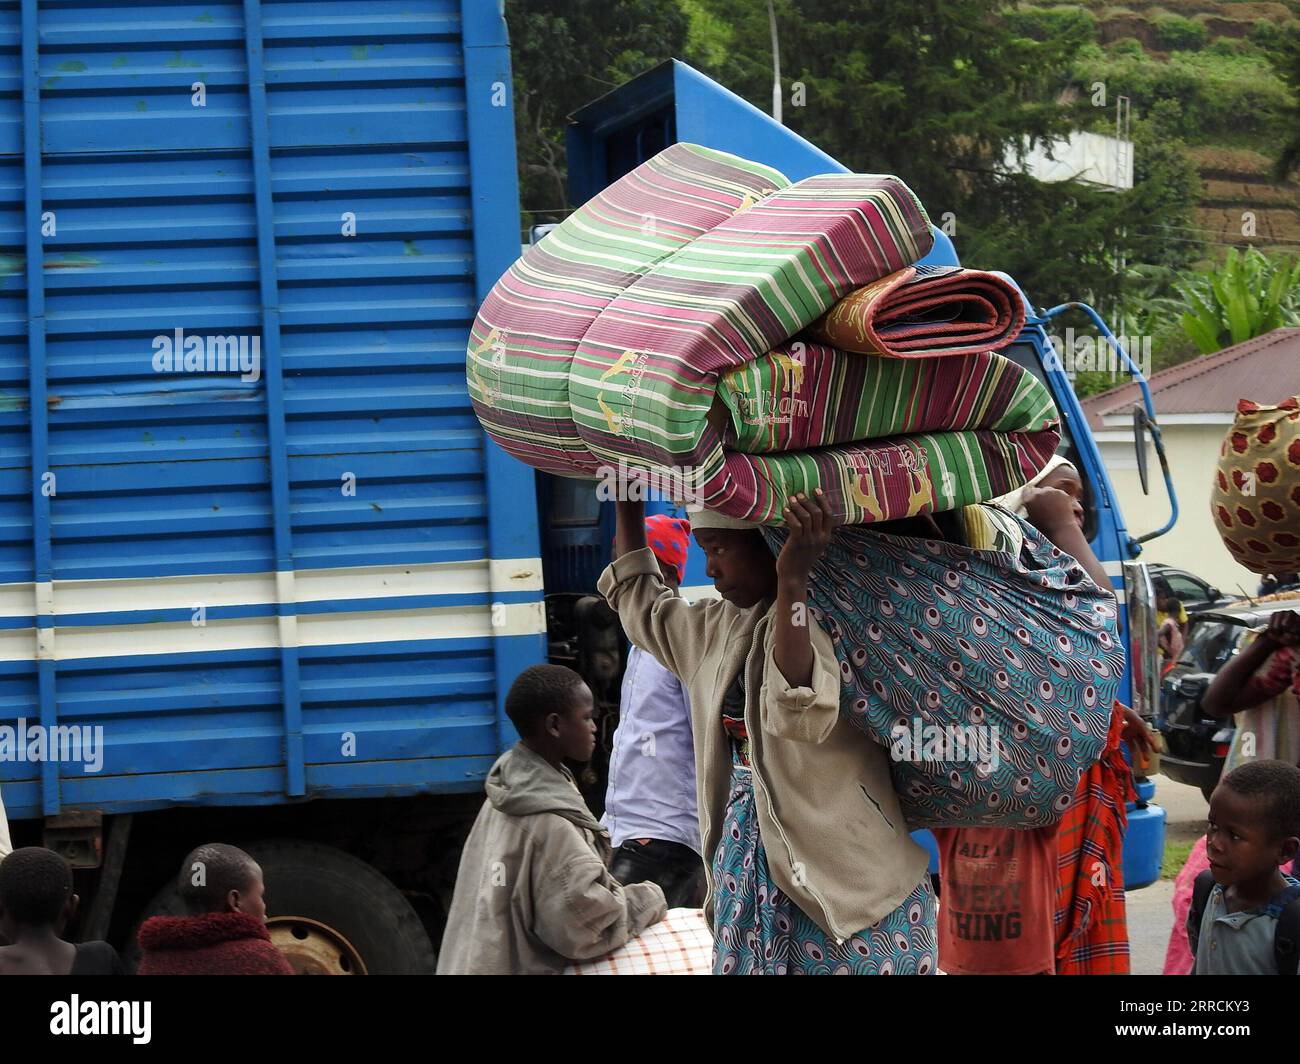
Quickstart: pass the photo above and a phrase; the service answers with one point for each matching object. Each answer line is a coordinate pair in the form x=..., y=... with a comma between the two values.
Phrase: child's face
x=1239, y=841
x=575, y=731
x=1067, y=480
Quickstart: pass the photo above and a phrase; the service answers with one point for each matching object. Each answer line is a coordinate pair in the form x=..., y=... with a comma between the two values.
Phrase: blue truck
x=265, y=580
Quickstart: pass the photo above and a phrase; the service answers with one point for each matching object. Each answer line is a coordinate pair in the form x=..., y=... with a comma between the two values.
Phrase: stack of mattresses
x=679, y=327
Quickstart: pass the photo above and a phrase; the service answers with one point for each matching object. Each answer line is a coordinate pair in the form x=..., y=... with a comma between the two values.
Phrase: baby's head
x=1254, y=821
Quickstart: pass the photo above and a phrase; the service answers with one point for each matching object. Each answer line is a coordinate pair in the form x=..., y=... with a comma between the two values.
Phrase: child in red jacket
x=225, y=931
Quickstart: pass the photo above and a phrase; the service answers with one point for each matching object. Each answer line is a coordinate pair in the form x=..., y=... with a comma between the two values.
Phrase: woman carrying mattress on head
x=809, y=863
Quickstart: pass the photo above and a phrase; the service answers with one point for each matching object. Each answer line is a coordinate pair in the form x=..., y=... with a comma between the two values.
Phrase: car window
x=1231, y=644
x=1185, y=589
x=573, y=503
x=1209, y=645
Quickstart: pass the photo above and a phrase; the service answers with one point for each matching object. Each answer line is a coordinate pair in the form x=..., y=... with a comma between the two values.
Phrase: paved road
x=1150, y=912
x=1185, y=807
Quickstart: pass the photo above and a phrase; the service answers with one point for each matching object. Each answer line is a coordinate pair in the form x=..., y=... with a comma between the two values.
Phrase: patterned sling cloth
x=604, y=345
x=1091, y=923
x=988, y=674
x=925, y=310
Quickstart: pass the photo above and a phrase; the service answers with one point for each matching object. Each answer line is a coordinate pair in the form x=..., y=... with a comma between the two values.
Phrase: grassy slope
x=1234, y=164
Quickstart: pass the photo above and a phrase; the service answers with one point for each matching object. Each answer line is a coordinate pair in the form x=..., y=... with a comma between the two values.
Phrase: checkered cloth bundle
x=680, y=944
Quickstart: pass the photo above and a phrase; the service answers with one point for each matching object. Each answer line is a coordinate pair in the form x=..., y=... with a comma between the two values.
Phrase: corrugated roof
x=1265, y=369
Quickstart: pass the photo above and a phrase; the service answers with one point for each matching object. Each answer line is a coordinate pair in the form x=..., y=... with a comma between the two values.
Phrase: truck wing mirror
x=1140, y=425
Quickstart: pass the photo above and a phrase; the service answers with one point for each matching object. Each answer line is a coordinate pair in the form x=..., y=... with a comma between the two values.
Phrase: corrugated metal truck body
x=248, y=522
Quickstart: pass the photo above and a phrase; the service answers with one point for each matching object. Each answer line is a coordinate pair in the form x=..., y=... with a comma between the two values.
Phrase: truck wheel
x=328, y=912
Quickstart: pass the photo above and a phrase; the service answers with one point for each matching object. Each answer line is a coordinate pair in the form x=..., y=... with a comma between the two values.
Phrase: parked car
x=1194, y=593
x=1198, y=744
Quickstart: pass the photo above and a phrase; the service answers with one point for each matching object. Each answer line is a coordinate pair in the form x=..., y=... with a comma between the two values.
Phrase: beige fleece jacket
x=533, y=891
x=830, y=822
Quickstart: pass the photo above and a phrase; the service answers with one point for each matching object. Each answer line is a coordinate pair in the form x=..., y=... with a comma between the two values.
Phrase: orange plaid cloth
x=1091, y=926
x=680, y=944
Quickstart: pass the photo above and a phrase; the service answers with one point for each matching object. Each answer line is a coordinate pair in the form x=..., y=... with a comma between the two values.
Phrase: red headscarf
x=669, y=538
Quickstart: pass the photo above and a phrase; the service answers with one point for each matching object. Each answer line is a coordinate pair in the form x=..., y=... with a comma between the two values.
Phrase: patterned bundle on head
x=1256, y=494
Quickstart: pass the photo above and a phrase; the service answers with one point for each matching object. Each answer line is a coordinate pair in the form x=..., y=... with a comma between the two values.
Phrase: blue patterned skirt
x=757, y=930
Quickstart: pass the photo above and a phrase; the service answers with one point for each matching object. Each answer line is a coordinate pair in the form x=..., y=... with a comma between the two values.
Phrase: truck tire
x=328, y=912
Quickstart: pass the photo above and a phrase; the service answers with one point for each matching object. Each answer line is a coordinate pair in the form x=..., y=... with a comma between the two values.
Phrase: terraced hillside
x=1238, y=181
x=1212, y=57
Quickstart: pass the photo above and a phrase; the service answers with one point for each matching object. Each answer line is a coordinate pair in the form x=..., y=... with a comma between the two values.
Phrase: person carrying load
x=791, y=795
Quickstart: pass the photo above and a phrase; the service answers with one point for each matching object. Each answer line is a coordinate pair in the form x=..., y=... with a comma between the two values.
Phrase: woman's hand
x=1134, y=732
x=1050, y=509
x=810, y=523
x=1283, y=629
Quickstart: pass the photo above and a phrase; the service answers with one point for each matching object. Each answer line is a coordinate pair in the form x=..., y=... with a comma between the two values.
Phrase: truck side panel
x=315, y=580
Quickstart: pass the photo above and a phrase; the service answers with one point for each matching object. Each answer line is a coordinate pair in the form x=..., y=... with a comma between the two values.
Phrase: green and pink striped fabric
x=523, y=341
x=883, y=437
x=644, y=375
x=626, y=337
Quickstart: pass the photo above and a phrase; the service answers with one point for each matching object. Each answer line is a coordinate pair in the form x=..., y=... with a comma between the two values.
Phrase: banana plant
x=1247, y=296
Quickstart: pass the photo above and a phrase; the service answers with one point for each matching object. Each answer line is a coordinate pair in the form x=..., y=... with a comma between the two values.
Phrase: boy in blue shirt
x=1254, y=826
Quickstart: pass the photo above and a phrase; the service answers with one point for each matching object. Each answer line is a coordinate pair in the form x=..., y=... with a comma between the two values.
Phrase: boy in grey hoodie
x=534, y=891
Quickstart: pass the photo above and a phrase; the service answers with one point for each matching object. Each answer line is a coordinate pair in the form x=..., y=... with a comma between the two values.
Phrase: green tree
x=932, y=90
x=565, y=55
x=943, y=94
